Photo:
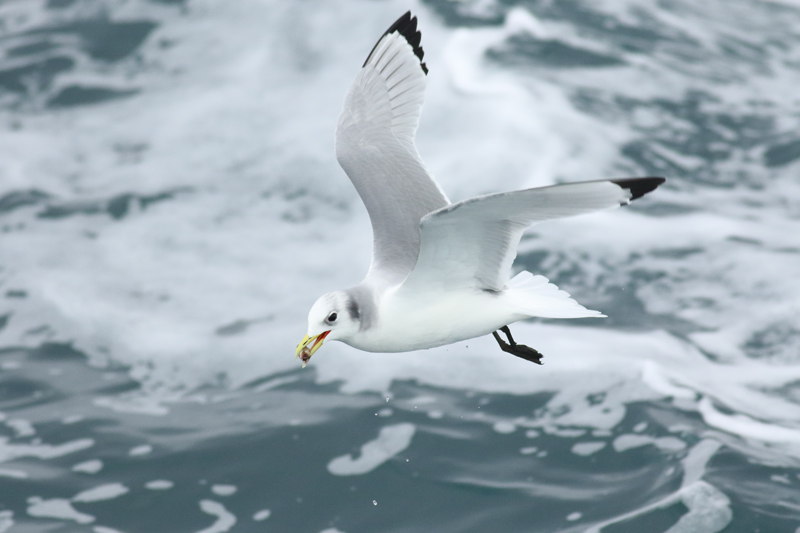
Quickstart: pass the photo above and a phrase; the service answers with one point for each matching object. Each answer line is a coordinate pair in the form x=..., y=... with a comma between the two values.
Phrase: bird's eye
x=332, y=317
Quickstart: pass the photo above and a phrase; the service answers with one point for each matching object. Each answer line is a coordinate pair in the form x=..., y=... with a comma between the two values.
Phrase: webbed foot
x=520, y=350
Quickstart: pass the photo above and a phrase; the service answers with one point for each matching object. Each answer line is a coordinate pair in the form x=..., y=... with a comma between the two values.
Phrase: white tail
x=536, y=296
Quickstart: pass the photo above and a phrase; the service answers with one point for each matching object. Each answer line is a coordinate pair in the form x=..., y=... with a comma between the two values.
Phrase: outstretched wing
x=375, y=147
x=472, y=244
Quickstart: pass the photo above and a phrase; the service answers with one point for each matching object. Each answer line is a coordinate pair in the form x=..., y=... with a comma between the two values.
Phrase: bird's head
x=334, y=316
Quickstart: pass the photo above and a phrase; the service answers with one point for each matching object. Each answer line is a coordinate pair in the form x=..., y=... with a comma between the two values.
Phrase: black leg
x=520, y=350
x=507, y=331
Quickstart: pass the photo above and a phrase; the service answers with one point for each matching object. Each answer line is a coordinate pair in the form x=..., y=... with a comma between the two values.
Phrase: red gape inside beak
x=318, y=340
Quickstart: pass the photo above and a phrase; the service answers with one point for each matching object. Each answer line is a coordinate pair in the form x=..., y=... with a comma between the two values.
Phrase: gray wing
x=375, y=147
x=472, y=244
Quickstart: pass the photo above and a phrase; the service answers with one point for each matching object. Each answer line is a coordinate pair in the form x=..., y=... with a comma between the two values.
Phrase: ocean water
x=170, y=208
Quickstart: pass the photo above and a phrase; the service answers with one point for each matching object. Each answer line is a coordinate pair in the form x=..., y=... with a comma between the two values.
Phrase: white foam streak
x=709, y=509
x=391, y=441
x=628, y=441
x=747, y=427
x=91, y=466
x=6, y=520
x=225, y=520
x=159, y=484
x=101, y=493
x=57, y=508
x=694, y=464
x=16, y=474
x=9, y=452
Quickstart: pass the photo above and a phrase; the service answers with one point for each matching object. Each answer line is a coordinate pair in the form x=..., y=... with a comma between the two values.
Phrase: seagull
x=440, y=271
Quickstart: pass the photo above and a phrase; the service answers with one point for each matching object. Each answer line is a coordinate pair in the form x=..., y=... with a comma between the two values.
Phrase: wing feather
x=375, y=147
x=472, y=244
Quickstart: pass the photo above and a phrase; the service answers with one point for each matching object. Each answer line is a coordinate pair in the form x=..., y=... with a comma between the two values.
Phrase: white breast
x=434, y=319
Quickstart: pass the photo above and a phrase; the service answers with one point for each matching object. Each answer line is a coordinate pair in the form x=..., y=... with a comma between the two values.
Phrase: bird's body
x=435, y=318
x=440, y=272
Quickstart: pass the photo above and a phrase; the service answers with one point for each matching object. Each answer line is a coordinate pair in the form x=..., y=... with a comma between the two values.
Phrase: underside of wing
x=375, y=147
x=472, y=244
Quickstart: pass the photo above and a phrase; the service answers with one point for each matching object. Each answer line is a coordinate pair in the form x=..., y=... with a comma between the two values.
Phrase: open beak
x=309, y=345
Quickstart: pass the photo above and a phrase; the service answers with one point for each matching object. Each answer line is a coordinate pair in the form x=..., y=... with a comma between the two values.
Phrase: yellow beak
x=309, y=345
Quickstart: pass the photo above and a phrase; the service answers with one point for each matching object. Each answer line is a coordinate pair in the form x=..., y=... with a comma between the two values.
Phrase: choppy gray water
x=170, y=207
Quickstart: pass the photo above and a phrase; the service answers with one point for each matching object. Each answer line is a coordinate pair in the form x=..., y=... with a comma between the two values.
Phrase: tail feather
x=536, y=296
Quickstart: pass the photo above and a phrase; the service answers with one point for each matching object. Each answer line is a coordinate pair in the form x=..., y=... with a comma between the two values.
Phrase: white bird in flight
x=439, y=271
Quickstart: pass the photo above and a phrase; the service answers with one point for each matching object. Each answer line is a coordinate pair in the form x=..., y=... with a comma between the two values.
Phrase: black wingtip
x=639, y=186
x=406, y=26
